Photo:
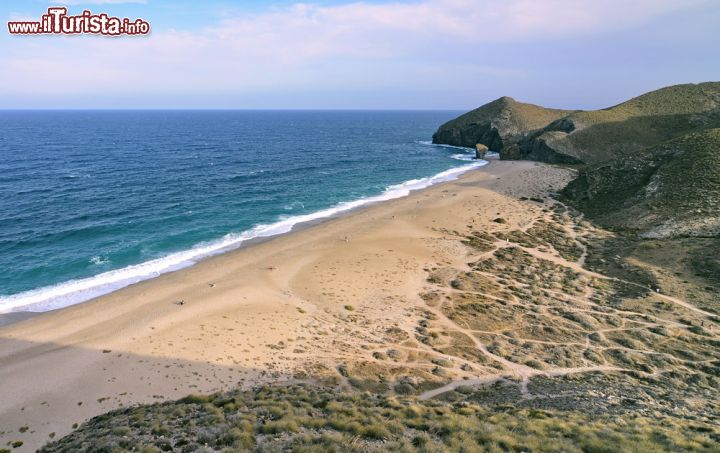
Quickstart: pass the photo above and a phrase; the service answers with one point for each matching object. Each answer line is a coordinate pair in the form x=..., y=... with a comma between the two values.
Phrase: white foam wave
x=77, y=291
x=430, y=143
x=463, y=157
x=99, y=260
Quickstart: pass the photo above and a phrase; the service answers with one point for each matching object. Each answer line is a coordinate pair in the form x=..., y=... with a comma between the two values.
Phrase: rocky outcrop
x=480, y=151
x=547, y=146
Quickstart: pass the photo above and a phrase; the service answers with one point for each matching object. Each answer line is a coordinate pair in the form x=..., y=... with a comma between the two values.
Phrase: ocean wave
x=294, y=205
x=463, y=157
x=99, y=260
x=440, y=145
x=471, y=156
x=77, y=291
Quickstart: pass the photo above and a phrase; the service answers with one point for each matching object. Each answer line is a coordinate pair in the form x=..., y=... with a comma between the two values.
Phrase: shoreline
x=195, y=254
x=289, y=308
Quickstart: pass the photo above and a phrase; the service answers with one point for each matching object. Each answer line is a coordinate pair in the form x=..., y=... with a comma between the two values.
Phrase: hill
x=647, y=120
x=669, y=189
x=497, y=124
x=586, y=136
x=305, y=418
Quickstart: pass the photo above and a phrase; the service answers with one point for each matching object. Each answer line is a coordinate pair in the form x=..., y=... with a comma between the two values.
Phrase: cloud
x=355, y=46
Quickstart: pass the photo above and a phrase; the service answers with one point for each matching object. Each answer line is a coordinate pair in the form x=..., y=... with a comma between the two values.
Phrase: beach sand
x=296, y=307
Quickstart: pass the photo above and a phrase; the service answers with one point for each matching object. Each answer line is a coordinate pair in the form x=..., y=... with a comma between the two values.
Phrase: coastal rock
x=480, y=151
x=550, y=147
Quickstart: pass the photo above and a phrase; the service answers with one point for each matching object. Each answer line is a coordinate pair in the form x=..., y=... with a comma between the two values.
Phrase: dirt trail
x=521, y=373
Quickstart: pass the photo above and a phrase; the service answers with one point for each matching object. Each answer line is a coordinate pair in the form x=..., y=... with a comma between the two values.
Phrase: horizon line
x=230, y=109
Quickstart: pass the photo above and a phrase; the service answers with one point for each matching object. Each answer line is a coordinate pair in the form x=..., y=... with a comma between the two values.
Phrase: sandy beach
x=296, y=307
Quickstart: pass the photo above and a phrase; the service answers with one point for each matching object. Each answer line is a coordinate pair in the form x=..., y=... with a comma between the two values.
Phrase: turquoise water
x=91, y=201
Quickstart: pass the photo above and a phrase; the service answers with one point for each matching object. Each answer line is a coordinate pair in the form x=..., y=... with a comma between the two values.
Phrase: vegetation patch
x=307, y=418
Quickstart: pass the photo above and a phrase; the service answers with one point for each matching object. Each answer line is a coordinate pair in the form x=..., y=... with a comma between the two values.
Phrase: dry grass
x=301, y=418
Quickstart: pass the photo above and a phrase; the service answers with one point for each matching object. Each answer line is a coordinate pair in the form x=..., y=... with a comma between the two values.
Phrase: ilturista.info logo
x=57, y=22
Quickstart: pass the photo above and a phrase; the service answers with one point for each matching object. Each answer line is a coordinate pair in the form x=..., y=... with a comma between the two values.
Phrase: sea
x=92, y=201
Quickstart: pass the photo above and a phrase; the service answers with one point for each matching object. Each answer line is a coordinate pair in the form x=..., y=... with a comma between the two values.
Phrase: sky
x=402, y=54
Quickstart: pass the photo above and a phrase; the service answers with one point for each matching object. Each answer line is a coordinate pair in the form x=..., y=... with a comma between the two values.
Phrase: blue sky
x=419, y=54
